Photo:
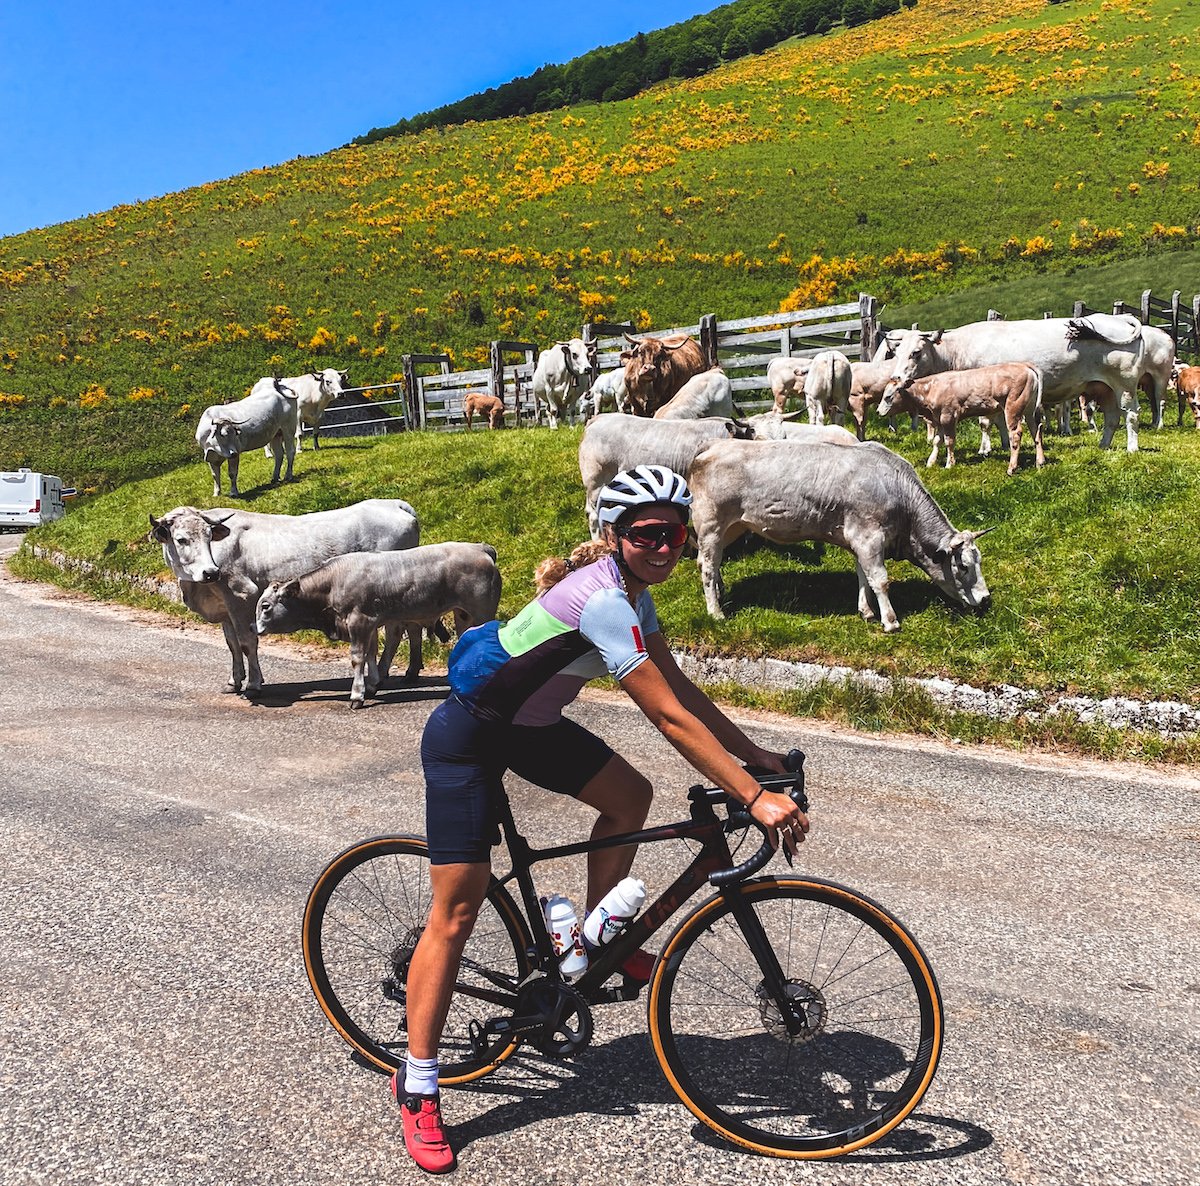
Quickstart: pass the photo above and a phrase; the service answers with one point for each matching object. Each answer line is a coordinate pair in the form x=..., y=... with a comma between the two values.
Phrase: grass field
x=950, y=149
x=1091, y=566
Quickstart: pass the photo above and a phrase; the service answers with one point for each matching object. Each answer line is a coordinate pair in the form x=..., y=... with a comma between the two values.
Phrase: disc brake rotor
x=807, y=1012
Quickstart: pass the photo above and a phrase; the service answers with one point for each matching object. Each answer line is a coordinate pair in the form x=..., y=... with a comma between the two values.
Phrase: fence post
x=1175, y=315
x=496, y=367
x=410, y=389
x=1119, y=308
x=708, y=339
x=1146, y=306
x=994, y=316
x=1079, y=309
x=589, y=338
x=868, y=312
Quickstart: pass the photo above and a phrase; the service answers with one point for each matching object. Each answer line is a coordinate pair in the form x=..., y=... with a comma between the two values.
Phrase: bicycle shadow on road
x=622, y=1077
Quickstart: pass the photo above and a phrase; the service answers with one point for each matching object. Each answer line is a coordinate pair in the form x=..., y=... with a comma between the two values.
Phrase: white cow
x=824, y=381
x=613, y=442
x=864, y=499
x=223, y=559
x=266, y=417
x=784, y=426
x=314, y=393
x=1100, y=354
x=561, y=379
x=608, y=393
x=708, y=394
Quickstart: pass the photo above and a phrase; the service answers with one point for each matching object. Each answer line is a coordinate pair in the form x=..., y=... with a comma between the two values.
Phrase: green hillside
x=947, y=147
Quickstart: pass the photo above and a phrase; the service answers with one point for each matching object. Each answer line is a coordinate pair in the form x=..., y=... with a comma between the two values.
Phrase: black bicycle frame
x=604, y=961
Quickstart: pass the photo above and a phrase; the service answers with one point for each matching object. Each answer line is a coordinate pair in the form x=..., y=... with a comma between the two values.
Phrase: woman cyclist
x=510, y=682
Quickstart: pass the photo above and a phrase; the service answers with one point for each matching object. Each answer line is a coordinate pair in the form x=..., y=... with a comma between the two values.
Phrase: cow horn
x=981, y=534
x=791, y=415
x=633, y=341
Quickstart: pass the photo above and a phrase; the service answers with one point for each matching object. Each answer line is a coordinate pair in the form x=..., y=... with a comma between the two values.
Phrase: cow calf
x=1008, y=393
x=354, y=595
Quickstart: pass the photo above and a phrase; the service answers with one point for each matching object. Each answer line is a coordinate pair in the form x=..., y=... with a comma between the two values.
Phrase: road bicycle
x=794, y=1016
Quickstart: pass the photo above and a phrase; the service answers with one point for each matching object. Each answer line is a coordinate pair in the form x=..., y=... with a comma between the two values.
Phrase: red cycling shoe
x=639, y=965
x=424, y=1132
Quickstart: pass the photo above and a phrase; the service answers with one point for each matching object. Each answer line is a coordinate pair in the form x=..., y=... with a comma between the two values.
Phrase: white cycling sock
x=420, y=1076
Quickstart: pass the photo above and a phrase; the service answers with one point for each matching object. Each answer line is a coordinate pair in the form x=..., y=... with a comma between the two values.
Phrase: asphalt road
x=159, y=839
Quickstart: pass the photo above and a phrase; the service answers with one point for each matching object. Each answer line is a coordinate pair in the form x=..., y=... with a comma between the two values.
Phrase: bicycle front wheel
x=364, y=917
x=848, y=1058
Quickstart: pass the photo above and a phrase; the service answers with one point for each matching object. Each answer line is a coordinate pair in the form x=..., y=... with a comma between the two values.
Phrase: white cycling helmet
x=644, y=486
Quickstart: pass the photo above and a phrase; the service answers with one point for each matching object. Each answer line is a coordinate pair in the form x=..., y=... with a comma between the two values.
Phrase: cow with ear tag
x=224, y=558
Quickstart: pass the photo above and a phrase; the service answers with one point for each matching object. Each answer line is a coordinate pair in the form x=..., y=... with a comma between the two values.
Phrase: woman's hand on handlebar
x=783, y=820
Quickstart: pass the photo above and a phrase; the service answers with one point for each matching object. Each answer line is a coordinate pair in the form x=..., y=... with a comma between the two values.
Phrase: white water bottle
x=563, y=925
x=614, y=910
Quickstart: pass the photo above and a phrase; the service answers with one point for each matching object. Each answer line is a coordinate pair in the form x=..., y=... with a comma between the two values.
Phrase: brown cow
x=656, y=368
x=491, y=406
x=1006, y=393
x=1187, y=383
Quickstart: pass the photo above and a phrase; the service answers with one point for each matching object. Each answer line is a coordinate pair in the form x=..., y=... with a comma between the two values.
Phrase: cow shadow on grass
x=810, y=589
x=393, y=690
x=823, y=594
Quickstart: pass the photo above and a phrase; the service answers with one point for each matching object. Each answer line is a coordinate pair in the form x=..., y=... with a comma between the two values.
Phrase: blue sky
x=110, y=102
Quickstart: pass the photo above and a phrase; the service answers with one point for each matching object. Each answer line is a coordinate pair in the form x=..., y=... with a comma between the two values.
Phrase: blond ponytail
x=554, y=568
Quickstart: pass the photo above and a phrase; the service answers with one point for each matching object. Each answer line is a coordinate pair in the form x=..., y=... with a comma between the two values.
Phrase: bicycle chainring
x=568, y=1027
x=808, y=1012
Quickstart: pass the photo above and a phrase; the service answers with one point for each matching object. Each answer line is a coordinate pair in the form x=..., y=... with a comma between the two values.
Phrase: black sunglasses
x=651, y=536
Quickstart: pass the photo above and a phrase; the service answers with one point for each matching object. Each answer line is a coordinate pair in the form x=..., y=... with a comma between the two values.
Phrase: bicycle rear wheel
x=364, y=916
x=865, y=1040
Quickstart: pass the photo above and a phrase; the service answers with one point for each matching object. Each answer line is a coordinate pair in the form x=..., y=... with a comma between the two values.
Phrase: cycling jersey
x=526, y=670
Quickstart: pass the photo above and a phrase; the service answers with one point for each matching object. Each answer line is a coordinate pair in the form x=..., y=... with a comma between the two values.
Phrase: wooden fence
x=743, y=347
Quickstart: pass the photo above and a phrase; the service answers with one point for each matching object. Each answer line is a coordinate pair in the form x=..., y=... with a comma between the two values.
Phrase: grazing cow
x=784, y=426
x=614, y=441
x=266, y=417
x=1100, y=351
x=491, y=406
x=561, y=379
x=656, y=368
x=707, y=394
x=865, y=499
x=1010, y=394
x=223, y=559
x=608, y=392
x=1187, y=383
x=825, y=382
x=352, y=596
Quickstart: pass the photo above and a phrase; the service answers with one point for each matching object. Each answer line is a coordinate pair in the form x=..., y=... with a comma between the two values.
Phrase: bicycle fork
x=790, y=1010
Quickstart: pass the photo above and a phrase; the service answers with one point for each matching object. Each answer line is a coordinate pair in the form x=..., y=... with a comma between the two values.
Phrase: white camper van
x=27, y=499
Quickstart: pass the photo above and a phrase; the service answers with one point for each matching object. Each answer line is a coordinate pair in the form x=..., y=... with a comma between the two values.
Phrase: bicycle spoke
x=837, y=1046
x=366, y=916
